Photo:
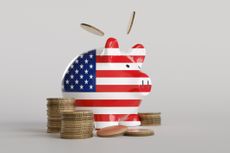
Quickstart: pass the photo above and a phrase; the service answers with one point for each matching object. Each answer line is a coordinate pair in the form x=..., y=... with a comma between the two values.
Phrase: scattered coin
x=92, y=29
x=131, y=21
x=139, y=132
x=112, y=131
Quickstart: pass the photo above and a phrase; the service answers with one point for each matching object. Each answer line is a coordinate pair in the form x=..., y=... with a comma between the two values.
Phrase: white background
x=188, y=60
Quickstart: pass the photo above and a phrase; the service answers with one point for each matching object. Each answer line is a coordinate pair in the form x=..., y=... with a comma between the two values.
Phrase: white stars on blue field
x=81, y=76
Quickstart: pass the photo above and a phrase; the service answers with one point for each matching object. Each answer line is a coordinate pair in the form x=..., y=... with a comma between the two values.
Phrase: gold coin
x=67, y=102
x=64, y=124
x=90, y=118
x=76, y=136
x=77, y=115
x=92, y=29
x=139, y=132
x=53, y=130
x=54, y=117
x=76, y=129
x=65, y=110
x=66, y=107
x=77, y=122
x=54, y=124
x=52, y=103
x=59, y=99
x=131, y=21
x=54, y=121
x=111, y=131
x=150, y=124
x=151, y=120
x=77, y=133
x=77, y=112
x=149, y=114
x=56, y=110
x=53, y=114
x=54, y=127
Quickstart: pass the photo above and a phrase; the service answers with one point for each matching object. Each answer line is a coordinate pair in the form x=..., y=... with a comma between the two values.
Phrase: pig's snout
x=145, y=86
x=146, y=81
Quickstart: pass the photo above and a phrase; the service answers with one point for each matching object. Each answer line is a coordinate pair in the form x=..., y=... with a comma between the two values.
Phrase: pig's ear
x=111, y=48
x=111, y=43
x=139, y=52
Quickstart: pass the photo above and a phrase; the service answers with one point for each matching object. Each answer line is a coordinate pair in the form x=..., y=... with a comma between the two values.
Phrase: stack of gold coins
x=150, y=118
x=77, y=125
x=55, y=105
x=66, y=105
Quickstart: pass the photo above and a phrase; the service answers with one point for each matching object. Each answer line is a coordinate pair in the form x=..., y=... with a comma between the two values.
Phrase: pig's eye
x=127, y=65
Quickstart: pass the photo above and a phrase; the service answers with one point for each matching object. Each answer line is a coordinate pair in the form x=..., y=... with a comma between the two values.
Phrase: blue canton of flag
x=81, y=75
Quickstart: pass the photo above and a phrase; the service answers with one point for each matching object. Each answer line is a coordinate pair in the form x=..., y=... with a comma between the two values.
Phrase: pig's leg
x=130, y=120
x=99, y=125
x=102, y=116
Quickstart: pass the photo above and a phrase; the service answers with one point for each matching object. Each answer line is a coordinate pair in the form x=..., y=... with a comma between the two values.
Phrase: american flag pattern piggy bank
x=109, y=82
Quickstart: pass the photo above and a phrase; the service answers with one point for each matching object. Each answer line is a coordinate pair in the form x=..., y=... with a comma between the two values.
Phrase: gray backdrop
x=188, y=61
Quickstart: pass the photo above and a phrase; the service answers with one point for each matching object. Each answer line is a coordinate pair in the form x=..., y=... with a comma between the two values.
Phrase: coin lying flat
x=139, y=132
x=112, y=131
x=92, y=29
x=131, y=21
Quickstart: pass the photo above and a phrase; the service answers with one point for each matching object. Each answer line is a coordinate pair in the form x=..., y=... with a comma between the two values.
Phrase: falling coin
x=92, y=29
x=131, y=21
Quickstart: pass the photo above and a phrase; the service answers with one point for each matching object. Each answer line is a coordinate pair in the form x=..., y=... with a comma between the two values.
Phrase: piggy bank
x=109, y=82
